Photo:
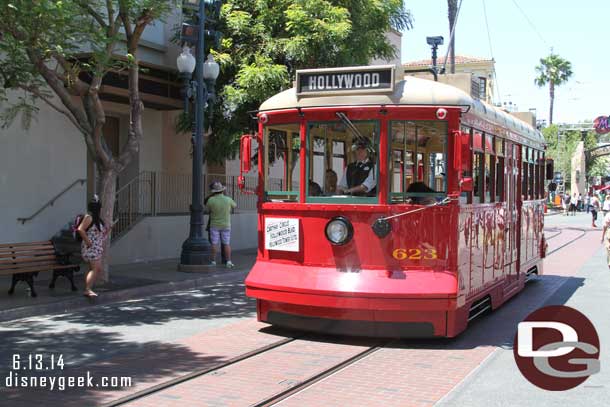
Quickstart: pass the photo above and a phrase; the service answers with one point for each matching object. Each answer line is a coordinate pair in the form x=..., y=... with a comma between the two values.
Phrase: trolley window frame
x=415, y=154
x=341, y=199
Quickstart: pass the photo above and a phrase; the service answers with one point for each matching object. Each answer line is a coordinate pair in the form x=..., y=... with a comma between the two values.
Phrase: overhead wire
x=531, y=24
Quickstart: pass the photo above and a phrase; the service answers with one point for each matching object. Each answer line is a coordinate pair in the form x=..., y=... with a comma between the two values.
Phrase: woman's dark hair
x=94, y=207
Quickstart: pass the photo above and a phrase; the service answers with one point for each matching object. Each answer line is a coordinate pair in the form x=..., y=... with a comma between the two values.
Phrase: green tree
x=265, y=42
x=57, y=52
x=555, y=71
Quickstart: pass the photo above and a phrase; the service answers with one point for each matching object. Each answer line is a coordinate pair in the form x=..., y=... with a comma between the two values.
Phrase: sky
x=522, y=32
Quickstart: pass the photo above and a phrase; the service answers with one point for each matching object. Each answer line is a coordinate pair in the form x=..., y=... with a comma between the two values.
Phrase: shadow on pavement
x=114, y=358
x=492, y=329
x=221, y=300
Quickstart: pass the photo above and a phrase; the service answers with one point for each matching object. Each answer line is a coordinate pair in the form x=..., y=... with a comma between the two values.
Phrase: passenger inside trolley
x=359, y=176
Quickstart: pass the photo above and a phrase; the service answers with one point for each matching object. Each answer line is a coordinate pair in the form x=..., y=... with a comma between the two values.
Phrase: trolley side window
x=342, y=164
x=478, y=168
x=524, y=173
x=499, y=169
x=418, y=161
x=490, y=169
x=282, y=168
x=541, y=173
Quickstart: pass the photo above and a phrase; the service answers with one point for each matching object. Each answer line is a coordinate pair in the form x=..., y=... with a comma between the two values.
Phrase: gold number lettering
x=399, y=254
x=430, y=254
x=414, y=254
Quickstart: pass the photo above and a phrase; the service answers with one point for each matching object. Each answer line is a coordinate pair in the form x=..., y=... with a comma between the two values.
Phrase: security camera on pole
x=196, y=248
x=434, y=42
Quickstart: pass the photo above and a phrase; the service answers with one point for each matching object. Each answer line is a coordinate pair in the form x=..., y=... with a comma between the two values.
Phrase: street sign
x=369, y=79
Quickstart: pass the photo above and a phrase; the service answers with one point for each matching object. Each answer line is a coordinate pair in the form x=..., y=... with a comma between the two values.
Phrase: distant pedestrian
x=573, y=203
x=566, y=203
x=595, y=207
x=606, y=205
x=606, y=237
x=220, y=207
x=94, y=232
x=588, y=202
x=579, y=206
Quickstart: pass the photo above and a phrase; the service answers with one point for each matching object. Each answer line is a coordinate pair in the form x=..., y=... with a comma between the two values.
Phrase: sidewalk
x=127, y=282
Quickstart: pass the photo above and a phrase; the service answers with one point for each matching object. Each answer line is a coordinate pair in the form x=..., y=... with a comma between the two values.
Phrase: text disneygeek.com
x=26, y=372
x=16, y=380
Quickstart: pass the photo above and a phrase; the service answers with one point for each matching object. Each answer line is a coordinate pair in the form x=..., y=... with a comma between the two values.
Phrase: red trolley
x=391, y=207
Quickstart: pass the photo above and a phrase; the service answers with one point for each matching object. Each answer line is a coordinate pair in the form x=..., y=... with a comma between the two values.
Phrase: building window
x=482, y=88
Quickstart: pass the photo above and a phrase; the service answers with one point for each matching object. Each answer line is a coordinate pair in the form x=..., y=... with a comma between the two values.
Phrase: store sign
x=371, y=79
x=282, y=234
x=602, y=124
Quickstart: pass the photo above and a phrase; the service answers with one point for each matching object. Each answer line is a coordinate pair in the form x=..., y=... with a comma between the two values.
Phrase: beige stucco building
x=474, y=75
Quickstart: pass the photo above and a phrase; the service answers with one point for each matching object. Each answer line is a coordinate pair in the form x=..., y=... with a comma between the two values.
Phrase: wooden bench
x=25, y=260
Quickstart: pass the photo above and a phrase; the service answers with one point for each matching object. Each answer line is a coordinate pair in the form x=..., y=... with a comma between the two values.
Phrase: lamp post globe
x=186, y=62
x=211, y=69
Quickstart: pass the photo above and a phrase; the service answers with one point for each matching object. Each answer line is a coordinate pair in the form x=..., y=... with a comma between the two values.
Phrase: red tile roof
x=459, y=59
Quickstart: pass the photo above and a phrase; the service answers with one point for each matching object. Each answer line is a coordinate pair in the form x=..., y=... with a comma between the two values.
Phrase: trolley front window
x=282, y=168
x=342, y=161
x=418, y=161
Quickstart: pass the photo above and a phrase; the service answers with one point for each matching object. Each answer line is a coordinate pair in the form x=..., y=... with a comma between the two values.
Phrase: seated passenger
x=359, y=177
x=330, y=182
x=314, y=188
x=421, y=187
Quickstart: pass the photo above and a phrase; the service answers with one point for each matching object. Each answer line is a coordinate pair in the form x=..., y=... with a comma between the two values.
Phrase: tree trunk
x=552, y=95
x=107, y=193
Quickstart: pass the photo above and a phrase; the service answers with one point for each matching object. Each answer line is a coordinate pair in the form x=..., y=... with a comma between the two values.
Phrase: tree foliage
x=266, y=41
x=555, y=71
x=562, y=145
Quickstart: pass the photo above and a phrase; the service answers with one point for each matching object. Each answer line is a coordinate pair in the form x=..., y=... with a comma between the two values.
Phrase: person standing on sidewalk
x=220, y=207
x=588, y=202
x=606, y=237
x=595, y=207
x=94, y=232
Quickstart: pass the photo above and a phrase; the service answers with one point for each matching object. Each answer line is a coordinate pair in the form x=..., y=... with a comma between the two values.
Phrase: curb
x=109, y=297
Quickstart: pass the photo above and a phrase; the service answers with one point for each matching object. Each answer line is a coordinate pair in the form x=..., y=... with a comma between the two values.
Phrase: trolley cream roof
x=410, y=91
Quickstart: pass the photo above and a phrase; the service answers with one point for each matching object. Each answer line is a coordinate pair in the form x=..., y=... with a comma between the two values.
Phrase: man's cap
x=216, y=186
x=361, y=143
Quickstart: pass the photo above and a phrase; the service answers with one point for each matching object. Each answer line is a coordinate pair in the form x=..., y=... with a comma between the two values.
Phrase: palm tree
x=555, y=71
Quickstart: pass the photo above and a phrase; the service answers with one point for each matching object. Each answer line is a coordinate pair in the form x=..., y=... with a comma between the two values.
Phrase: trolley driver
x=359, y=176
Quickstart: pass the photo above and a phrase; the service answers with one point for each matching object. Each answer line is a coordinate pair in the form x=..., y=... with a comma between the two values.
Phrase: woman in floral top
x=94, y=233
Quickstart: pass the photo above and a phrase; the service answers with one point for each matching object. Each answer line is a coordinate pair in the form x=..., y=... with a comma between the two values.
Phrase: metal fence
x=161, y=194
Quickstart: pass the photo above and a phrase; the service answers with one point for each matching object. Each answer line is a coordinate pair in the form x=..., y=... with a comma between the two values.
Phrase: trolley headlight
x=339, y=230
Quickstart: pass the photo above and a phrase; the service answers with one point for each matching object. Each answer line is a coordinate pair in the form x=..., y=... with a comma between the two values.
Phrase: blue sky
x=575, y=31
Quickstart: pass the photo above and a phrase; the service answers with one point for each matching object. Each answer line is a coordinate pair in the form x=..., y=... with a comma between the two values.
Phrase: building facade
x=477, y=74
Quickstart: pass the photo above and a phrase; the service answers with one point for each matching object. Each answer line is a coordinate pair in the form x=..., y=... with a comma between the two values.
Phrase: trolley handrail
x=51, y=201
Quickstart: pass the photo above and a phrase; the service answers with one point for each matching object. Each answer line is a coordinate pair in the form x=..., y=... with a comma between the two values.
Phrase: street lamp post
x=196, y=248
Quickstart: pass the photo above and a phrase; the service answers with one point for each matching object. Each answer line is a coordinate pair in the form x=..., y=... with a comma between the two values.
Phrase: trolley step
x=479, y=307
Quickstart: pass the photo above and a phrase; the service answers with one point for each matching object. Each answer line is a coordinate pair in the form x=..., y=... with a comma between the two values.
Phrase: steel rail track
x=284, y=394
x=170, y=383
x=583, y=234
